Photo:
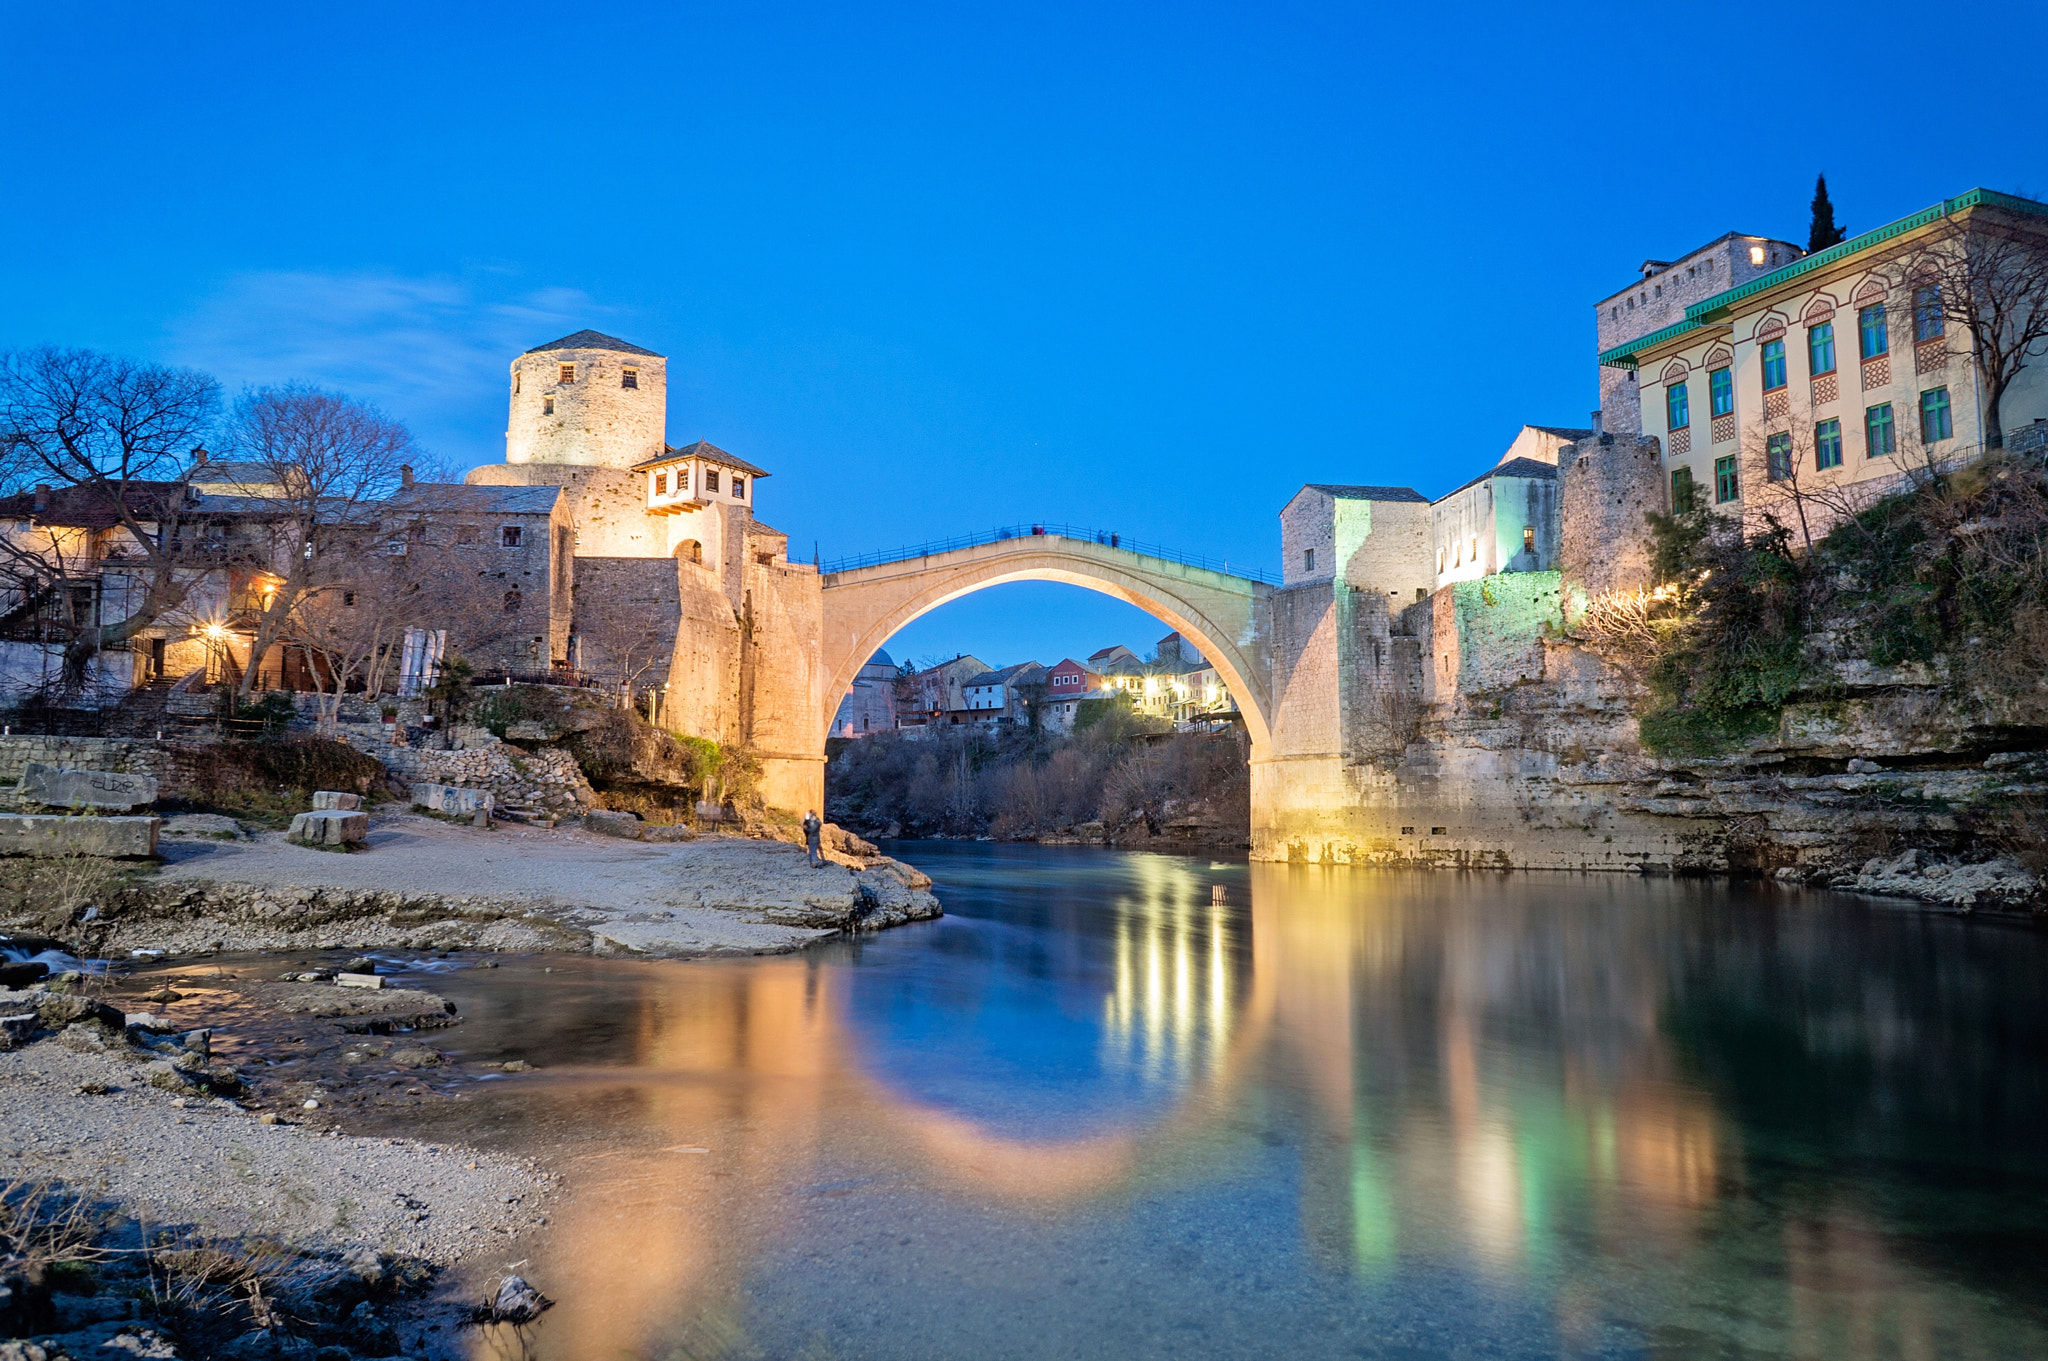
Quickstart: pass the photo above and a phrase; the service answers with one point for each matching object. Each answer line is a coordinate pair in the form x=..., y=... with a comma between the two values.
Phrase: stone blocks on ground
x=324, y=799
x=452, y=799
x=50, y=834
x=329, y=827
x=58, y=788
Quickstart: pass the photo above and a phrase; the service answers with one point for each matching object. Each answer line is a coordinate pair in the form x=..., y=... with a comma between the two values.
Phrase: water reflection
x=1095, y=1113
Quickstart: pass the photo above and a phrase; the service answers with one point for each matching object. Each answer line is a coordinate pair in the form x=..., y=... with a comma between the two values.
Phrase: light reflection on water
x=1347, y=1113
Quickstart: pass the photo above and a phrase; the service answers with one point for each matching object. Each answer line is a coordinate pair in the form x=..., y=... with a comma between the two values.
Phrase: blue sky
x=946, y=267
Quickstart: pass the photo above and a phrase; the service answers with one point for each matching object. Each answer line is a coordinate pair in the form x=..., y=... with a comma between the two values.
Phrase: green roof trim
x=1716, y=308
x=1624, y=356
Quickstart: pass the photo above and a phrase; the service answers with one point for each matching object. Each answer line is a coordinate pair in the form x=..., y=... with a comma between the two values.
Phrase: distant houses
x=1177, y=684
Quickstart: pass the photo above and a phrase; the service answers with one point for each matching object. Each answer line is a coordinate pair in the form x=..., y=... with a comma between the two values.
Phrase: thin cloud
x=432, y=352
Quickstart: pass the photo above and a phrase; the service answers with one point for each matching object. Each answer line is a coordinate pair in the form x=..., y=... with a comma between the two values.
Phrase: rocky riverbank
x=425, y=883
x=176, y=1189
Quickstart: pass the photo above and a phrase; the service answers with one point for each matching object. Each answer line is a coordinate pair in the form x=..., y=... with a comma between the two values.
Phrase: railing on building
x=1104, y=537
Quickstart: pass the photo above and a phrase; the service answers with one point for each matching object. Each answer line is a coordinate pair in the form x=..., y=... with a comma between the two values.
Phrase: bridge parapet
x=1107, y=538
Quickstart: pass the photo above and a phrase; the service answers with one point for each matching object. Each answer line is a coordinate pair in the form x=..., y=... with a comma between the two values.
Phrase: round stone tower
x=587, y=399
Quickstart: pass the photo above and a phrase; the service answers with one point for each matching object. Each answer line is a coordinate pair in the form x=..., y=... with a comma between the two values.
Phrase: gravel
x=208, y=1164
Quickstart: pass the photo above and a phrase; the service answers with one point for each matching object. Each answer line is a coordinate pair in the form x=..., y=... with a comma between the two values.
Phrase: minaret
x=590, y=400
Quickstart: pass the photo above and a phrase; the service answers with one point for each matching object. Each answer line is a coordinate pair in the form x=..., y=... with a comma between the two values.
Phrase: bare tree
x=332, y=461
x=111, y=439
x=1982, y=274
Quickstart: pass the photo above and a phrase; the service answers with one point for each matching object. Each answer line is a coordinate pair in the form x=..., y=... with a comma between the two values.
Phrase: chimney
x=199, y=456
x=405, y=476
x=42, y=497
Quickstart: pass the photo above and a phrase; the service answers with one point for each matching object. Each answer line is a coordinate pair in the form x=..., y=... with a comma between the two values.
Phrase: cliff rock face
x=1523, y=751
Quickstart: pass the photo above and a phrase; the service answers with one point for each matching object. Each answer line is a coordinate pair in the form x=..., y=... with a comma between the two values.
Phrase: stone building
x=1659, y=297
x=668, y=555
x=1827, y=378
x=869, y=705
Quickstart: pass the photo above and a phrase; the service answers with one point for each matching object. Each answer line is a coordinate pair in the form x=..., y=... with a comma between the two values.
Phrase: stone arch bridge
x=1222, y=612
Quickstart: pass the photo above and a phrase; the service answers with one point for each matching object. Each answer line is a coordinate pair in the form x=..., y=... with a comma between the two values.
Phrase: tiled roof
x=1564, y=431
x=593, y=340
x=1352, y=492
x=707, y=451
x=234, y=475
x=1519, y=467
x=89, y=507
x=1003, y=676
x=463, y=498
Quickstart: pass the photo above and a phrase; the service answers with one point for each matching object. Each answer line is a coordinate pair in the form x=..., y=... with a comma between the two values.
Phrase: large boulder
x=53, y=787
x=324, y=799
x=48, y=834
x=329, y=827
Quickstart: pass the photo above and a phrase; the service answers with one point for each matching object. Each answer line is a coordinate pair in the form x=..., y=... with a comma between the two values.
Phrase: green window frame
x=1774, y=365
x=1928, y=321
x=1677, y=409
x=1935, y=420
x=1721, y=392
x=1827, y=444
x=1874, y=335
x=1820, y=348
x=1778, y=457
x=1727, y=486
x=1682, y=490
x=1879, y=437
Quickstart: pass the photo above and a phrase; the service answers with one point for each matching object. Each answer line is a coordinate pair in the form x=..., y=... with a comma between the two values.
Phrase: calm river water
x=1344, y=1113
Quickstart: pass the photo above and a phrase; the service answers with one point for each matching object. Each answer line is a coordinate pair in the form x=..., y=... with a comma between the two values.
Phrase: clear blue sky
x=945, y=267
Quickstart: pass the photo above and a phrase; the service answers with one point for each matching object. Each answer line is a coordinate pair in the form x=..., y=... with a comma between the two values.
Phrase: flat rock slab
x=213, y=825
x=324, y=799
x=58, y=788
x=329, y=827
x=715, y=895
x=56, y=834
x=451, y=799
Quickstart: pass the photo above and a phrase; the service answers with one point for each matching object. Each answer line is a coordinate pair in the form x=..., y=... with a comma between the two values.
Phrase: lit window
x=547, y=406
x=629, y=378
x=1726, y=485
x=1528, y=539
x=509, y=536
x=1777, y=458
x=465, y=534
x=661, y=484
x=1677, y=411
x=568, y=373
x=1878, y=435
x=1820, y=348
x=1827, y=444
x=1681, y=490
x=1928, y=321
x=1721, y=392
x=1875, y=337
x=1756, y=257
x=1934, y=415
x=1774, y=365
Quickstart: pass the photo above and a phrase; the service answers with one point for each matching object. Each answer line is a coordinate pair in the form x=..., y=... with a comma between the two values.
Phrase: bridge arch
x=1220, y=613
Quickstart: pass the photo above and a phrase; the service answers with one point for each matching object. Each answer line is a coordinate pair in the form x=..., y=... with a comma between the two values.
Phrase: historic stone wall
x=170, y=764
x=628, y=611
x=1608, y=487
x=607, y=508
x=539, y=777
x=596, y=420
x=782, y=681
x=704, y=668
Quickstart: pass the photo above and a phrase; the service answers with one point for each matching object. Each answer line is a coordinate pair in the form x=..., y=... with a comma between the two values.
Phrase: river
x=1340, y=1112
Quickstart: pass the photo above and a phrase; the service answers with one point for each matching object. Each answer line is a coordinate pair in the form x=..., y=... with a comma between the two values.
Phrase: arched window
x=689, y=550
x=513, y=601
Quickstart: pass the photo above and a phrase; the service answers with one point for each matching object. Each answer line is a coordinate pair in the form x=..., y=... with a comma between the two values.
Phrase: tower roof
x=593, y=340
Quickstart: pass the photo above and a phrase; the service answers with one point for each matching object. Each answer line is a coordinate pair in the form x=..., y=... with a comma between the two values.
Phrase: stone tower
x=590, y=400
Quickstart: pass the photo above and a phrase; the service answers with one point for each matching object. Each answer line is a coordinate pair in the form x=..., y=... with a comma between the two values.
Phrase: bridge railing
x=1107, y=538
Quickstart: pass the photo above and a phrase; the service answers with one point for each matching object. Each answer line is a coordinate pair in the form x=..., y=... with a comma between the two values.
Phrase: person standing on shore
x=814, y=832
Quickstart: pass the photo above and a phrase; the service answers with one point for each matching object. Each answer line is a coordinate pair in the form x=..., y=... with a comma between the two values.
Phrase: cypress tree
x=1823, y=232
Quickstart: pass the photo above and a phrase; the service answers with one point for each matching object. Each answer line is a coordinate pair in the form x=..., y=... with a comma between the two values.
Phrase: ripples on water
x=1345, y=1113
